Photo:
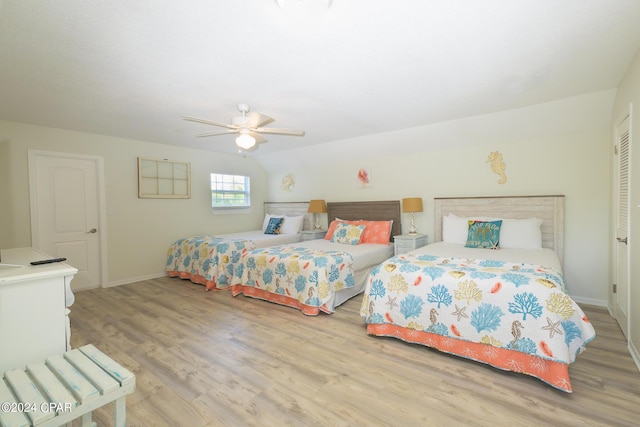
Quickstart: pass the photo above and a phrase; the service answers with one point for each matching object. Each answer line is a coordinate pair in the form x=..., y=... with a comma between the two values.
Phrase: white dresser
x=34, y=320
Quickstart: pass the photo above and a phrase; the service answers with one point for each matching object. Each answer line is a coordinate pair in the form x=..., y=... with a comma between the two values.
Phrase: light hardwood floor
x=209, y=359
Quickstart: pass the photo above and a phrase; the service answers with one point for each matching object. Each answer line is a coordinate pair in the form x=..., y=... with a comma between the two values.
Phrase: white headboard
x=291, y=209
x=550, y=209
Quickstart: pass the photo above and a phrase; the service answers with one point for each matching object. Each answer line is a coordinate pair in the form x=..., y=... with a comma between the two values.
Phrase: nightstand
x=408, y=242
x=313, y=234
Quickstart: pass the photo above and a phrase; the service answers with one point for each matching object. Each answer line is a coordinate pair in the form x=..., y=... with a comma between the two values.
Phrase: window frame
x=221, y=179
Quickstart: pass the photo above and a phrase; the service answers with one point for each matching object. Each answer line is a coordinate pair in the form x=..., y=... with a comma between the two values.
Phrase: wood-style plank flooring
x=210, y=359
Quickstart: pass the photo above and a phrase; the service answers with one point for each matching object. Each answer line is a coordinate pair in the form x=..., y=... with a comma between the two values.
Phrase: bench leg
x=120, y=412
x=86, y=420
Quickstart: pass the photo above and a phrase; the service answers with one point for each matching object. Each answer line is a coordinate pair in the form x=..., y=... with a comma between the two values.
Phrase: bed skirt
x=199, y=280
x=551, y=372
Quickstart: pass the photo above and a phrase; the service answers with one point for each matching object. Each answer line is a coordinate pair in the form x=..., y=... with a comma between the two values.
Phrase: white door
x=621, y=296
x=65, y=207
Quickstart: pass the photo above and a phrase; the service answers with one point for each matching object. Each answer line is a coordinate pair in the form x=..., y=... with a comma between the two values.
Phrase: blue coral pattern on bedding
x=206, y=260
x=515, y=306
x=310, y=276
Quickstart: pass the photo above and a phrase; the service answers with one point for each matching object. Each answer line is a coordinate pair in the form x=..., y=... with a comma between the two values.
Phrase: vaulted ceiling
x=132, y=68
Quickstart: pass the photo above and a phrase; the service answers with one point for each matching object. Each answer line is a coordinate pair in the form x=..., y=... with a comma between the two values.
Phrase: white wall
x=629, y=93
x=561, y=147
x=139, y=231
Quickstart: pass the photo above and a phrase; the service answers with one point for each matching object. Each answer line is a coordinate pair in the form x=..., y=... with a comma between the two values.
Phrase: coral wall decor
x=364, y=177
x=288, y=182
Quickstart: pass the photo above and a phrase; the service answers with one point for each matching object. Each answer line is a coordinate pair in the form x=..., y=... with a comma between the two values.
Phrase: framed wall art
x=163, y=179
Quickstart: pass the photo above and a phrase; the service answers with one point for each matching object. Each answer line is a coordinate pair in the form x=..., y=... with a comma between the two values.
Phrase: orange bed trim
x=553, y=373
x=254, y=292
x=200, y=280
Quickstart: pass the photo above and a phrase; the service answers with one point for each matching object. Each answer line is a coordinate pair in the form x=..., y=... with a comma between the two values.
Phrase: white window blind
x=230, y=191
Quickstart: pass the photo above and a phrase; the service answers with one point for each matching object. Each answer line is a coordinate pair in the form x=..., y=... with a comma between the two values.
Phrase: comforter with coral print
x=206, y=260
x=486, y=310
x=300, y=277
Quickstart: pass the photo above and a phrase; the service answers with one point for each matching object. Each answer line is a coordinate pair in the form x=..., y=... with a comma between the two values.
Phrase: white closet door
x=621, y=297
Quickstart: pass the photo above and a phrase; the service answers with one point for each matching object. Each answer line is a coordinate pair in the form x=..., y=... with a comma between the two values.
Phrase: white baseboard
x=134, y=279
x=634, y=354
x=591, y=301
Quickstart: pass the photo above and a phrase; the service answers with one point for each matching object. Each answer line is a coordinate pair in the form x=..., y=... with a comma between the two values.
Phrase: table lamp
x=317, y=207
x=412, y=205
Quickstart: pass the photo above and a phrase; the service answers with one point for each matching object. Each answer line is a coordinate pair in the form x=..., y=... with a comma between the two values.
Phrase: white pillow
x=521, y=233
x=267, y=217
x=292, y=224
x=454, y=229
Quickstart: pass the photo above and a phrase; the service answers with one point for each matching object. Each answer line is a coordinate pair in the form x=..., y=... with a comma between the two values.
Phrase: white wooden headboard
x=550, y=209
x=291, y=209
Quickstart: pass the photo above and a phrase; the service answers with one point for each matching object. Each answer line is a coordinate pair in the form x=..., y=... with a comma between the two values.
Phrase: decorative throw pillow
x=483, y=234
x=378, y=232
x=334, y=224
x=273, y=227
x=267, y=217
x=348, y=234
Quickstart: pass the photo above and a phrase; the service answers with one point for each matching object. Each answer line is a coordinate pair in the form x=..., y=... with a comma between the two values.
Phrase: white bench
x=65, y=387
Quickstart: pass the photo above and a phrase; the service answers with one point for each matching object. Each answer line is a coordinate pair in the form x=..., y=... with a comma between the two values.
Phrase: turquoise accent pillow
x=483, y=234
x=273, y=227
x=348, y=233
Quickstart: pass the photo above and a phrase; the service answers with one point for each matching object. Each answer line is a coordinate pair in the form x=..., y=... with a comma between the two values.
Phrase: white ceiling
x=132, y=68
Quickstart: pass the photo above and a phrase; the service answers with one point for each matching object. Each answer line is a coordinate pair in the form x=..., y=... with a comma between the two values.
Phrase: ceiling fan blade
x=220, y=132
x=259, y=138
x=256, y=120
x=280, y=131
x=209, y=122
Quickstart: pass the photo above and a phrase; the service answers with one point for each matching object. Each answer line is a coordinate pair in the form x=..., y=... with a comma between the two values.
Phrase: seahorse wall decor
x=498, y=166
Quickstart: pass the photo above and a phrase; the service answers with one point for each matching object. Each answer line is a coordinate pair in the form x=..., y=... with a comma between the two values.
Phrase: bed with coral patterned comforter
x=313, y=276
x=515, y=316
x=210, y=260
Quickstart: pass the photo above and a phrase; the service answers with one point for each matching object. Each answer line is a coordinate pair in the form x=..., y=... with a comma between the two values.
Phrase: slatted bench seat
x=65, y=387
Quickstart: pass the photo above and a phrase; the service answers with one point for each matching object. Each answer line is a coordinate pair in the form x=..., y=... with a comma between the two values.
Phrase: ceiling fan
x=249, y=126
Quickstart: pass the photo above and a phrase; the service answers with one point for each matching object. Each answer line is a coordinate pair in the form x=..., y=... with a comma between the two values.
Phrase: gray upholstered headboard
x=550, y=209
x=369, y=211
x=291, y=209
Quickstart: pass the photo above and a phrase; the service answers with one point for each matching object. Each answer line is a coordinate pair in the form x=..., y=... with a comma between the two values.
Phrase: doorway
x=67, y=212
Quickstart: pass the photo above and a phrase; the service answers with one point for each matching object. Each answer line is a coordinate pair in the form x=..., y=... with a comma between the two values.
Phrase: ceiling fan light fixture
x=245, y=141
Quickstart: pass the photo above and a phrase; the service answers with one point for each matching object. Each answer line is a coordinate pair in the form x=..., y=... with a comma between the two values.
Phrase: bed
x=210, y=259
x=508, y=308
x=318, y=275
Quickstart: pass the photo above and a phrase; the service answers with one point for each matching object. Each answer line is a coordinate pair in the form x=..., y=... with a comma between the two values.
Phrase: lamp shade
x=412, y=204
x=317, y=206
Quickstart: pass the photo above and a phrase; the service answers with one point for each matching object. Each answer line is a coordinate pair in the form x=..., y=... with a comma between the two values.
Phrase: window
x=230, y=191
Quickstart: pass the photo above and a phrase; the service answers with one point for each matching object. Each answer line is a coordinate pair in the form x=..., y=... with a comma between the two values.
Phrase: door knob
x=93, y=230
x=621, y=240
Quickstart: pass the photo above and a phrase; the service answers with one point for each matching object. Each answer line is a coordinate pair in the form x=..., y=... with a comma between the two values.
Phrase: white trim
x=136, y=279
x=634, y=354
x=590, y=301
x=102, y=201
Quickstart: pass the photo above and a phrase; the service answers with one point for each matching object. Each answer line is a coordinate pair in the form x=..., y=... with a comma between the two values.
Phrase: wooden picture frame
x=163, y=179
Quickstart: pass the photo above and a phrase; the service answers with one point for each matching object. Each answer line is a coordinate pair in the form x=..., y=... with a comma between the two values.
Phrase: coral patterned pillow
x=334, y=224
x=348, y=234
